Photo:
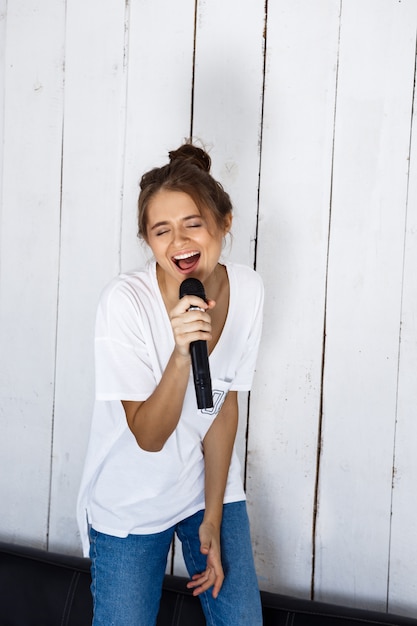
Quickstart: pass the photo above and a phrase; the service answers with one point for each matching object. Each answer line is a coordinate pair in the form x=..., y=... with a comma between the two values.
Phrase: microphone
x=198, y=350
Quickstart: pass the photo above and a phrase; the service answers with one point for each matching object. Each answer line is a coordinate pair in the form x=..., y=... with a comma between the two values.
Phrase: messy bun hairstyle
x=188, y=171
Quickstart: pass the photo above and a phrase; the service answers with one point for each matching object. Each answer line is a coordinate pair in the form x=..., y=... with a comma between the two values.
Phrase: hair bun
x=192, y=154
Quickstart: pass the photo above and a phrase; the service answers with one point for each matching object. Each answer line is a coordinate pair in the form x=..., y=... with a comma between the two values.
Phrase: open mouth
x=186, y=262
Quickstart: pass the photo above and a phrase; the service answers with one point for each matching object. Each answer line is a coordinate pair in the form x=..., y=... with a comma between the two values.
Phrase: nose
x=179, y=235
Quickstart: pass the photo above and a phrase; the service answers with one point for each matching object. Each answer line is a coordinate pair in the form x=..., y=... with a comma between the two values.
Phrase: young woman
x=156, y=464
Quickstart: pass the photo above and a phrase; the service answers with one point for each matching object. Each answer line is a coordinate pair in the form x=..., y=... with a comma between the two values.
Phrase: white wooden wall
x=307, y=107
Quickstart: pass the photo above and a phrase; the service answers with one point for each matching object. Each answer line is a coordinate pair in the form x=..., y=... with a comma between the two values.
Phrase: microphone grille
x=192, y=287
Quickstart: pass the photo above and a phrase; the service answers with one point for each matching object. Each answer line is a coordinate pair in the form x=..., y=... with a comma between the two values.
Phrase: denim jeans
x=127, y=574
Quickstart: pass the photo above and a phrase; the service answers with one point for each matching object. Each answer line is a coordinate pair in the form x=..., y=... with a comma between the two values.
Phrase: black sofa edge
x=299, y=611
x=78, y=563
x=292, y=604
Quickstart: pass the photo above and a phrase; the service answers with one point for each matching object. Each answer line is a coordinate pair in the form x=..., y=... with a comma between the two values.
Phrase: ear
x=227, y=223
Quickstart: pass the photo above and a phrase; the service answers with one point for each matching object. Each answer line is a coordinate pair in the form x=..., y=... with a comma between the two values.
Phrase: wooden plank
x=403, y=549
x=364, y=295
x=226, y=121
x=292, y=249
x=160, y=61
x=3, y=14
x=90, y=235
x=227, y=107
x=29, y=253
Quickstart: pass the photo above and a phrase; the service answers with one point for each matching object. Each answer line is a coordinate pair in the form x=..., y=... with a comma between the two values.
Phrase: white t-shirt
x=127, y=490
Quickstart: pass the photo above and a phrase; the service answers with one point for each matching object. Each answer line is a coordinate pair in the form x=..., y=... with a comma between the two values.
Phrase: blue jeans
x=127, y=574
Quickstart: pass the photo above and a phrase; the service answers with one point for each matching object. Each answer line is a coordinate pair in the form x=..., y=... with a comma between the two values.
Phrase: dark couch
x=40, y=588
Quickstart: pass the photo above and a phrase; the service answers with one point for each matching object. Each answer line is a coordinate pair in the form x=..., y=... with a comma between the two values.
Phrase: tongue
x=185, y=264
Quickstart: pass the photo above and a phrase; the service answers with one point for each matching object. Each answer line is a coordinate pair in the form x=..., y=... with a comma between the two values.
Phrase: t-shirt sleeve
x=253, y=301
x=122, y=362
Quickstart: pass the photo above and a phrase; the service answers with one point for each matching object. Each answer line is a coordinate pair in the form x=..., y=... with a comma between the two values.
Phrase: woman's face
x=184, y=242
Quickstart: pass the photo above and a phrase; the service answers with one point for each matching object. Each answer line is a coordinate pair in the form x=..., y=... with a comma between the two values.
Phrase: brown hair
x=188, y=171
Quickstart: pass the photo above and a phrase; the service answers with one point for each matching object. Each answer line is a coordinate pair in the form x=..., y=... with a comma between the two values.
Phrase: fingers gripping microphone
x=198, y=351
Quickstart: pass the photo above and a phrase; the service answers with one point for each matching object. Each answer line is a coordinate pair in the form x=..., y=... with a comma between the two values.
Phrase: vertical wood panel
x=160, y=61
x=294, y=206
x=295, y=188
x=90, y=235
x=3, y=20
x=364, y=292
x=227, y=106
x=29, y=261
x=403, y=553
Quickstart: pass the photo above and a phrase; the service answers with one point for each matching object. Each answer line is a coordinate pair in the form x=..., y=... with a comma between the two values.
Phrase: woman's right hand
x=190, y=321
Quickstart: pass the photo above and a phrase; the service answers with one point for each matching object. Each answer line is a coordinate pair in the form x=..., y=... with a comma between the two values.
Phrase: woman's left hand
x=213, y=576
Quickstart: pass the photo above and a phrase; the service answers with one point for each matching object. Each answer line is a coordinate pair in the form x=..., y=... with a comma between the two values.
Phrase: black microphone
x=198, y=350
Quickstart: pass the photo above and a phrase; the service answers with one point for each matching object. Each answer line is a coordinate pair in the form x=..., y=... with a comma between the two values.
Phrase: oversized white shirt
x=127, y=490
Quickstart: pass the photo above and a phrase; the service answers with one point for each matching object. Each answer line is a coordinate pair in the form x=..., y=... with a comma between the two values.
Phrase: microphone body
x=198, y=351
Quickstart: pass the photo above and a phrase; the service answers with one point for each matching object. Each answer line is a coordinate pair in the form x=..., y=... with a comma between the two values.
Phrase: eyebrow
x=184, y=219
